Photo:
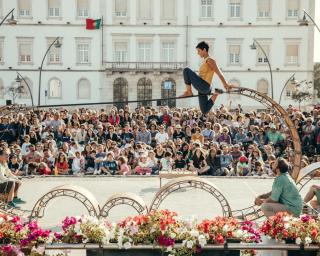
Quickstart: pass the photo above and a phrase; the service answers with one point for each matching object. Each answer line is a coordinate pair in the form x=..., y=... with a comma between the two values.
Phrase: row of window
x=145, y=49
x=120, y=89
x=54, y=90
x=168, y=8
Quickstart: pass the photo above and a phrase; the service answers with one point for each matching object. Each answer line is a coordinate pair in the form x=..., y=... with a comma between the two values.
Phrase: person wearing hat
x=9, y=183
x=285, y=196
x=243, y=166
x=178, y=133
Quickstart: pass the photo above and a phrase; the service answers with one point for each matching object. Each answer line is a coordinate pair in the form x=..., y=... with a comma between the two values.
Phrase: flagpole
x=102, y=40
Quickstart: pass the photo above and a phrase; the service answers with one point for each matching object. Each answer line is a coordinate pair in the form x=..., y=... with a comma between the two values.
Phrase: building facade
x=143, y=46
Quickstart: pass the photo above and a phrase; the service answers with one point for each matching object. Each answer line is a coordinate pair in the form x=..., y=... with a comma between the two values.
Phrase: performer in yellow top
x=202, y=83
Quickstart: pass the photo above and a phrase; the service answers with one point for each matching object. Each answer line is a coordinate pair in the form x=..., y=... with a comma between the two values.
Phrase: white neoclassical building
x=145, y=43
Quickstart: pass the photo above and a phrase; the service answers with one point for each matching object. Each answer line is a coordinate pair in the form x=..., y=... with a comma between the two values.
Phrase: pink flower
x=33, y=225
x=68, y=221
x=165, y=241
x=57, y=235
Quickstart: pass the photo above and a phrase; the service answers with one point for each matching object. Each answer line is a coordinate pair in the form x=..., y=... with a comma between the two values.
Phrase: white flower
x=169, y=249
x=239, y=233
x=133, y=229
x=308, y=240
x=194, y=233
x=298, y=240
x=287, y=225
x=173, y=235
x=286, y=218
x=190, y=244
x=127, y=245
x=202, y=240
x=225, y=228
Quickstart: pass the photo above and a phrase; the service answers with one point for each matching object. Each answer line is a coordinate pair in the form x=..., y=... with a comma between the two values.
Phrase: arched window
x=25, y=94
x=291, y=88
x=55, y=88
x=120, y=92
x=235, y=82
x=144, y=92
x=168, y=90
x=84, y=90
x=263, y=86
x=2, y=90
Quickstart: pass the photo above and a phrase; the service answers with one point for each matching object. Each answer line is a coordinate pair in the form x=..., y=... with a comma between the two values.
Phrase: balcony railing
x=144, y=66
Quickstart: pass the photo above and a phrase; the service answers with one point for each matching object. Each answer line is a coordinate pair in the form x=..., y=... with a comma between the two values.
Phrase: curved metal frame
x=190, y=182
x=305, y=175
x=270, y=103
x=81, y=194
x=130, y=199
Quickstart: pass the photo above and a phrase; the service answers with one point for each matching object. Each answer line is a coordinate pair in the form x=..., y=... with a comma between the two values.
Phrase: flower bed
x=159, y=232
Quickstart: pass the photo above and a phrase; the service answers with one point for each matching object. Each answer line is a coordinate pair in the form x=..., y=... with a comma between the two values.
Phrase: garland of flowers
x=284, y=227
x=161, y=228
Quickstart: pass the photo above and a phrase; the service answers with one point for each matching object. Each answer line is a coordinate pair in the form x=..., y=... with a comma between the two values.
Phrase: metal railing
x=144, y=66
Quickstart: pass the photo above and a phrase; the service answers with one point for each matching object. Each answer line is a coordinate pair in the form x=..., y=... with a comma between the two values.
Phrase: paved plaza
x=239, y=192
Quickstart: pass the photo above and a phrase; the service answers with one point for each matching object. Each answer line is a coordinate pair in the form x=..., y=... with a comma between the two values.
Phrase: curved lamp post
x=292, y=80
x=19, y=79
x=304, y=21
x=253, y=46
x=57, y=44
x=11, y=21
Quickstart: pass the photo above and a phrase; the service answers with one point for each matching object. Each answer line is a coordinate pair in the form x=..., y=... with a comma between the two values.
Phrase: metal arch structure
x=79, y=193
x=129, y=199
x=306, y=174
x=270, y=103
x=190, y=182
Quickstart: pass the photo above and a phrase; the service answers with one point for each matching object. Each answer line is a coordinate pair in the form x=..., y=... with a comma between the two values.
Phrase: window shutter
x=293, y=4
x=1, y=52
x=263, y=87
x=292, y=50
x=84, y=89
x=25, y=49
x=168, y=9
x=24, y=5
x=144, y=9
x=121, y=47
x=83, y=4
x=235, y=49
x=54, y=3
x=121, y=6
x=264, y=5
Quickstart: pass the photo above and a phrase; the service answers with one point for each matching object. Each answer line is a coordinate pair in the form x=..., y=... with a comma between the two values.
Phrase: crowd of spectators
x=144, y=141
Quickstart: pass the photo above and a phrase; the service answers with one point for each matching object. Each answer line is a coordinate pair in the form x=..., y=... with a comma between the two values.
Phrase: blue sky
x=317, y=34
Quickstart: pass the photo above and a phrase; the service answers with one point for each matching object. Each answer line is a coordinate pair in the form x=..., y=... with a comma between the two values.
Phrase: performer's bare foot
x=187, y=92
x=214, y=97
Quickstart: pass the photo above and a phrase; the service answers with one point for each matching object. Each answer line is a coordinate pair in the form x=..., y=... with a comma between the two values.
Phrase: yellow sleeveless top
x=205, y=72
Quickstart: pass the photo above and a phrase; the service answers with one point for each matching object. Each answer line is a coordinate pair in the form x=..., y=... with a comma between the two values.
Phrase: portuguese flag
x=93, y=24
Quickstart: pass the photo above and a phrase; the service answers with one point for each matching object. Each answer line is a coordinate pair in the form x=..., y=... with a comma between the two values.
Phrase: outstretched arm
x=212, y=63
